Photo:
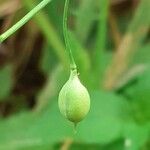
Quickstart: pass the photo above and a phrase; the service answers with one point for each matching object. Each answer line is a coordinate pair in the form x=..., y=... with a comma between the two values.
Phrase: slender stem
x=50, y=32
x=65, y=31
x=24, y=20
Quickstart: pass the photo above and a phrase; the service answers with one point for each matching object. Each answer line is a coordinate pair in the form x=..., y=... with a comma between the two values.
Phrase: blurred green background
x=110, y=40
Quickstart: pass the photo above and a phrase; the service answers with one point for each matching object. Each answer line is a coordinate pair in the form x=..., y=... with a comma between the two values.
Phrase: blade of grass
x=101, y=40
x=83, y=23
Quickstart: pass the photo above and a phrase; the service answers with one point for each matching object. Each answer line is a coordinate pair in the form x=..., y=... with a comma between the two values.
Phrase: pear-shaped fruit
x=74, y=99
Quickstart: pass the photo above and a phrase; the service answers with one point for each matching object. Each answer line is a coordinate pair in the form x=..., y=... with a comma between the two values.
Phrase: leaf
x=84, y=23
x=27, y=130
x=142, y=55
x=108, y=121
x=6, y=81
x=105, y=120
x=103, y=125
x=135, y=135
x=53, y=12
x=48, y=60
x=140, y=95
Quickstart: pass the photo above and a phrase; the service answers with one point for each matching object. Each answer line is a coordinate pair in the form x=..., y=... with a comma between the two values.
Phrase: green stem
x=65, y=31
x=49, y=31
x=24, y=20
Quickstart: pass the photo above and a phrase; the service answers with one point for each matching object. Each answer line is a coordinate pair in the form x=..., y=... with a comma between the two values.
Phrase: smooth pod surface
x=74, y=99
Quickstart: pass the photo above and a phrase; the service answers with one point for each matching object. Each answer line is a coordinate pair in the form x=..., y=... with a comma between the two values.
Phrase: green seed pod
x=74, y=99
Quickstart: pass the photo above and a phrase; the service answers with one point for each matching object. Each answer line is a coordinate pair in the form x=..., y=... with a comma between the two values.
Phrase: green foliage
x=117, y=145
x=6, y=81
x=140, y=95
x=136, y=135
x=111, y=111
x=55, y=81
x=49, y=32
x=48, y=60
x=118, y=119
x=27, y=130
x=139, y=19
x=84, y=23
x=142, y=56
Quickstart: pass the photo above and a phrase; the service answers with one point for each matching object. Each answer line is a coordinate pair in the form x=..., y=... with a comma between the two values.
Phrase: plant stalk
x=23, y=21
x=66, y=37
x=44, y=23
